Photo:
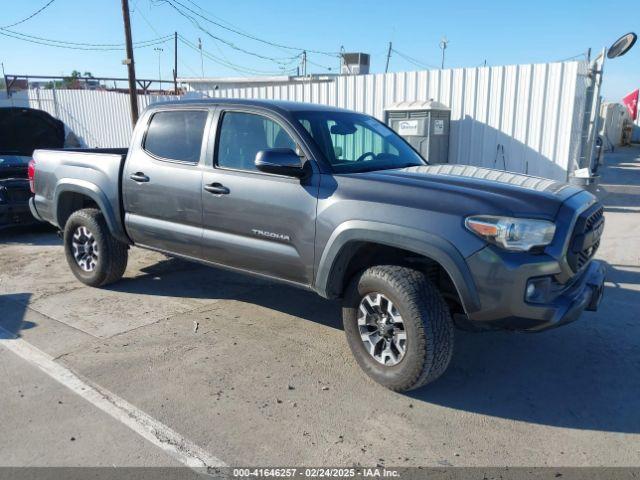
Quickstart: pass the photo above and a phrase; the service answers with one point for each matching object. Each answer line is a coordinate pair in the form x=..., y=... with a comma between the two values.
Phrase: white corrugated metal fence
x=98, y=118
x=532, y=113
x=522, y=118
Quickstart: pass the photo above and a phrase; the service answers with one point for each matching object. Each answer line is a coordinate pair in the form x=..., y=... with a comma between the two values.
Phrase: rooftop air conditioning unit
x=355, y=64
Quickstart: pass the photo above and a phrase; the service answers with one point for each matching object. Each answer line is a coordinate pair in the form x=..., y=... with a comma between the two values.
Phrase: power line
x=213, y=58
x=319, y=65
x=230, y=65
x=413, y=61
x=240, y=32
x=573, y=57
x=78, y=45
x=237, y=30
x=30, y=16
x=282, y=61
x=146, y=20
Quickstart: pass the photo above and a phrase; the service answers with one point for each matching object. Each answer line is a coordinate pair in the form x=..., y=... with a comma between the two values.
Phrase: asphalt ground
x=203, y=365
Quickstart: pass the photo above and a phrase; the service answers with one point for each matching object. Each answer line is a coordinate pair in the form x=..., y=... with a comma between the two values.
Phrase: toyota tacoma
x=335, y=202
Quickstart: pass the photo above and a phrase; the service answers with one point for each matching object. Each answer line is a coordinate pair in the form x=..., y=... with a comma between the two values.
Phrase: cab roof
x=277, y=105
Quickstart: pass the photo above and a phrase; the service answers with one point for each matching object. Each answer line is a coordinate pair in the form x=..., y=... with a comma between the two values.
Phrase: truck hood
x=23, y=130
x=483, y=190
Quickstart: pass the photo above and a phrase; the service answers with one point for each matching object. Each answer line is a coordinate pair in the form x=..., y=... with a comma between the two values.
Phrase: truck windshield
x=353, y=142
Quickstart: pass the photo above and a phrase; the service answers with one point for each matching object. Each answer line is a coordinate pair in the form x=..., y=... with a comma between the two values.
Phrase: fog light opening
x=538, y=290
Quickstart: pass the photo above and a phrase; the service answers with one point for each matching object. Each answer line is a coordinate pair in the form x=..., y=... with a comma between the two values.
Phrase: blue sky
x=500, y=32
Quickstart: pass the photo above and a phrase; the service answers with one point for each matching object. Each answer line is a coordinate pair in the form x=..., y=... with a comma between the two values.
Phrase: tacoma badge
x=276, y=236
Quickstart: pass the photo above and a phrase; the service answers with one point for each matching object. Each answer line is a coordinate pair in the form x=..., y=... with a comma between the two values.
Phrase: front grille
x=13, y=172
x=18, y=195
x=585, y=239
x=15, y=190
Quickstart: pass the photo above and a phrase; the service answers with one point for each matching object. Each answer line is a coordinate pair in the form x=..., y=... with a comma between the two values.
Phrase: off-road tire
x=427, y=322
x=112, y=261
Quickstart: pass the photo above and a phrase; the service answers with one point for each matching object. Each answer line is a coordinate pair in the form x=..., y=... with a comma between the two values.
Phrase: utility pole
x=304, y=63
x=443, y=46
x=133, y=92
x=159, y=50
x=175, y=63
x=201, y=58
x=386, y=67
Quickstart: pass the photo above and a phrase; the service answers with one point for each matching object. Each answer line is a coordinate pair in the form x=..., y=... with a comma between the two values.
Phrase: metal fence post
x=55, y=100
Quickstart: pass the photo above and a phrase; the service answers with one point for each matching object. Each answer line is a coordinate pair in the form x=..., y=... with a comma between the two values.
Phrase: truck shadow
x=582, y=376
x=182, y=279
x=41, y=234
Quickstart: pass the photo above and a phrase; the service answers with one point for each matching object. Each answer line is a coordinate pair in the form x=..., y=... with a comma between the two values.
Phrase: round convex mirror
x=622, y=45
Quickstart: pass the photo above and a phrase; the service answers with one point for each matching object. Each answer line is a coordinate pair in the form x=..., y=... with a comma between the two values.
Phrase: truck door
x=162, y=181
x=252, y=220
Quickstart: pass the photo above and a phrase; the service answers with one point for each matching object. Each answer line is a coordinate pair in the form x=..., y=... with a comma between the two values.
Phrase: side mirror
x=281, y=161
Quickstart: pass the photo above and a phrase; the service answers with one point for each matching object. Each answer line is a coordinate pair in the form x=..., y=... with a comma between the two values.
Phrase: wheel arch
x=347, y=241
x=73, y=194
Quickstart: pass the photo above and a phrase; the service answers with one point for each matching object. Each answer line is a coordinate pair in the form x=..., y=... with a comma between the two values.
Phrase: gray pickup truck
x=335, y=202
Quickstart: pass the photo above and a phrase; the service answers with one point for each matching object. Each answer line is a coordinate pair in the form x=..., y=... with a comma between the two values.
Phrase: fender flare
x=406, y=238
x=92, y=191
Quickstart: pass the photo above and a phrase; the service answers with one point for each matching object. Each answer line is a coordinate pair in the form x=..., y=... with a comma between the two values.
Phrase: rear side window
x=243, y=135
x=176, y=135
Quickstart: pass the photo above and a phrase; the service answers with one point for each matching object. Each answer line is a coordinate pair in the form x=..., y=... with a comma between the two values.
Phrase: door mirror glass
x=280, y=161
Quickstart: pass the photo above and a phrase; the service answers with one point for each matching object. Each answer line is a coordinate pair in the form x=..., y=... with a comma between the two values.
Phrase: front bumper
x=14, y=203
x=12, y=214
x=502, y=280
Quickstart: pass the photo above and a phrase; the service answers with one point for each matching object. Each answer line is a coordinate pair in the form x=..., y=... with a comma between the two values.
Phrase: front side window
x=353, y=142
x=243, y=135
x=176, y=135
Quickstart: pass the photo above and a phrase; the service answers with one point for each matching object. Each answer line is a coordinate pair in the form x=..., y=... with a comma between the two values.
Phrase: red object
x=31, y=172
x=631, y=102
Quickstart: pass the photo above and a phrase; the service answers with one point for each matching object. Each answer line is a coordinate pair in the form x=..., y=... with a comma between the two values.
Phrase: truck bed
x=96, y=171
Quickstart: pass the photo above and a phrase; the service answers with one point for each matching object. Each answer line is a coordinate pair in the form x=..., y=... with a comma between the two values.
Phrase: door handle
x=217, y=189
x=139, y=177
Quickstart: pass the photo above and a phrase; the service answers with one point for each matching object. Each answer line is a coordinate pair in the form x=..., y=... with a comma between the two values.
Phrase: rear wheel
x=398, y=327
x=95, y=257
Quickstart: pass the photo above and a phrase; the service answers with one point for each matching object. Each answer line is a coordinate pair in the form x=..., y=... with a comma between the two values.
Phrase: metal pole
x=6, y=81
x=175, y=63
x=443, y=46
x=304, y=63
x=133, y=91
x=386, y=67
x=159, y=50
x=201, y=59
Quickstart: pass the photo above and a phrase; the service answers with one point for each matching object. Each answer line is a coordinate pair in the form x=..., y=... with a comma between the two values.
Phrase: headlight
x=516, y=234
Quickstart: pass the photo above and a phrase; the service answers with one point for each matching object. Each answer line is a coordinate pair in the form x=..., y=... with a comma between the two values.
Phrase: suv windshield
x=352, y=142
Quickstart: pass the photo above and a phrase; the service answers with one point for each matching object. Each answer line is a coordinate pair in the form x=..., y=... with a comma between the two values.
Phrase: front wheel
x=95, y=257
x=398, y=327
